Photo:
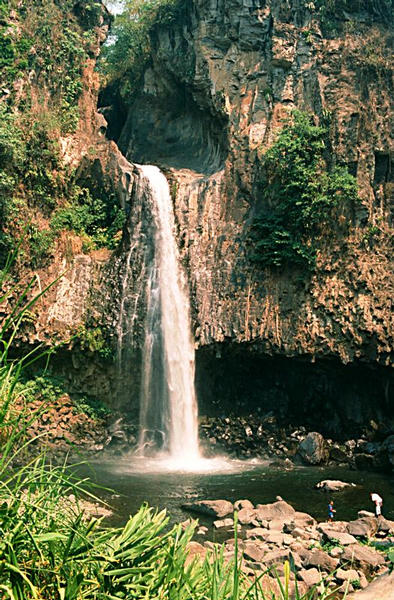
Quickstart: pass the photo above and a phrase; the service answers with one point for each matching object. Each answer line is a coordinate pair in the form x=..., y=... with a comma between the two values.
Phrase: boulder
x=333, y=526
x=246, y=516
x=302, y=519
x=276, y=557
x=385, y=526
x=333, y=485
x=223, y=523
x=339, y=537
x=339, y=454
x=310, y=576
x=346, y=575
x=276, y=537
x=313, y=449
x=279, y=510
x=211, y=508
x=365, y=527
x=380, y=589
x=254, y=551
x=256, y=532
x=195, y=549
x=320, y=559
x=365, y=513
x=388, y=447
x=240, y=504
x=362, y=557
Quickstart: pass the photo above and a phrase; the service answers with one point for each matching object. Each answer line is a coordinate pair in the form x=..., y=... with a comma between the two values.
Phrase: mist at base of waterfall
x=162, y=463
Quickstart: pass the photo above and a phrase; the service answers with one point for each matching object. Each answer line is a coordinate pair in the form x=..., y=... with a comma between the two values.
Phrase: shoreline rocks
x=264, y=437
x=270, y=534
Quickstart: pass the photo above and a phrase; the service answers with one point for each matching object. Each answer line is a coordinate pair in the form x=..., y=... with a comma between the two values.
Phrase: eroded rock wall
x=243, y=64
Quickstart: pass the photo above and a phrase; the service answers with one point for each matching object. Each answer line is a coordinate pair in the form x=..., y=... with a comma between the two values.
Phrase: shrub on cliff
x=124, y=58
x=300, y=191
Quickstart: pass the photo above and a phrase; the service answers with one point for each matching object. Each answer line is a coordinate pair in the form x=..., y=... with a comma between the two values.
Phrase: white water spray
x=168, y=407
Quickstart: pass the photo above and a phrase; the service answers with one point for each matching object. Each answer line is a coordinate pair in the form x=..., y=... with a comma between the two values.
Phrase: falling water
x=168, y=407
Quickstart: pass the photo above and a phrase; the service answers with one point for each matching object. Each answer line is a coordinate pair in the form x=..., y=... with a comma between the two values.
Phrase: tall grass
x=50, y=549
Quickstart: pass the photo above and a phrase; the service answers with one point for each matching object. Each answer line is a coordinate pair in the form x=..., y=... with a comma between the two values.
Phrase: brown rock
x=313, y=449
x=276, y=557
x=346, y=575
x=310, y=576
x=240, y=504
x=256, y=532
x=322, y=560
x=211, y=508
x=362, y=557
x=280, y=510
x=195, y=549
x=365, y=527
x=339, y=537
x=254, y=551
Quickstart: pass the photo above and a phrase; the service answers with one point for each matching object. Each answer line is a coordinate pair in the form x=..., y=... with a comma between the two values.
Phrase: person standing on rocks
x=378, y=503
x=331, y=510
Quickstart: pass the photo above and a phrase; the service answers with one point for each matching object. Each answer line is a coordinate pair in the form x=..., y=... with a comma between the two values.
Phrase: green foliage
x=125, y=56
x=48, y=388
x=93, y=340
x=89, y=215
x=299, y=192
x=334, y=14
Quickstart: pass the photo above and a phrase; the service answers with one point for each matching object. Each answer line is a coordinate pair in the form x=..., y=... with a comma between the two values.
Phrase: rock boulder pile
x=263, y=436
x=342, y=554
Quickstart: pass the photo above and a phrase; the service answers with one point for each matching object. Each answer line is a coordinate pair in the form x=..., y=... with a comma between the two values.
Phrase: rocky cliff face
x=220, y=80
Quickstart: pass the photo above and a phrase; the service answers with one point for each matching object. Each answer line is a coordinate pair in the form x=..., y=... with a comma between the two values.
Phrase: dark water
x=260, y=484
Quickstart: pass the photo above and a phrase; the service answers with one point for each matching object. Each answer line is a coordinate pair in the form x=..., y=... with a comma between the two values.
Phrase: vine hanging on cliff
x=300, y=191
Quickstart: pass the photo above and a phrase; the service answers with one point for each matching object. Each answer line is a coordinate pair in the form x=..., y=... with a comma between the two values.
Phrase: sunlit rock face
x=220, y=80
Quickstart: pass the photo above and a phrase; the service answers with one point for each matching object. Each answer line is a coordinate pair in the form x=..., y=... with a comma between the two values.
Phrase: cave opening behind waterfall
x=326, y=396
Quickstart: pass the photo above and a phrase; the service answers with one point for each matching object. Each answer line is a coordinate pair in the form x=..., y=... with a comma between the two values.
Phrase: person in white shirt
x=378, y=503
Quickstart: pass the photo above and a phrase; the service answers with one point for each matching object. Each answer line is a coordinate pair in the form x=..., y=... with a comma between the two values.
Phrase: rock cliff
x=220, y=79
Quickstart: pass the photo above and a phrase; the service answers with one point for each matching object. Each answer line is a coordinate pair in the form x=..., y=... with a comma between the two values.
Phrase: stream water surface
x=137, y=482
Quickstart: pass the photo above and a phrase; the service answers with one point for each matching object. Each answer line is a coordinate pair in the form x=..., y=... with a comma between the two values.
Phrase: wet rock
x=388, y=447
x=339, y=454
x=313, y=449
x=333, y=485
x=211, y=508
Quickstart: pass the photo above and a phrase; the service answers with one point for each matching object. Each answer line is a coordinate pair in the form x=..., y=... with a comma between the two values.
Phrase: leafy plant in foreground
x=52, y=549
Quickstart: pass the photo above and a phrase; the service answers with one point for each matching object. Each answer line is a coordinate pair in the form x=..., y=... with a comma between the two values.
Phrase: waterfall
x=168, y=407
